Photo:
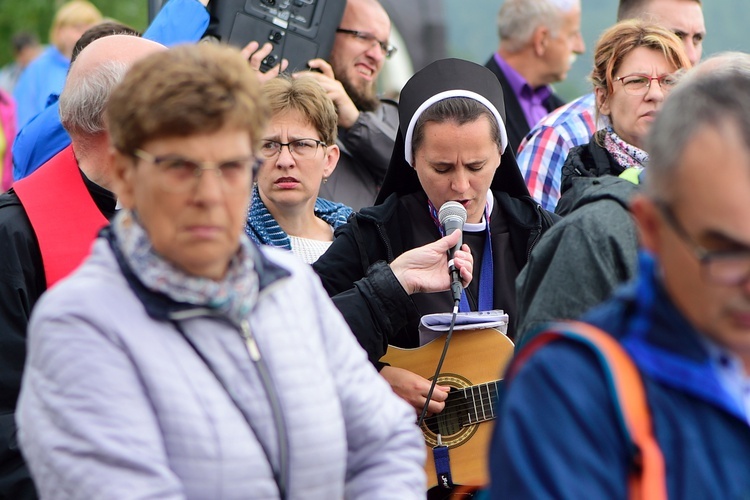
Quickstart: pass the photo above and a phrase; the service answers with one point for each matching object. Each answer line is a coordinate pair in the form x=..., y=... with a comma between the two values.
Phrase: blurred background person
x=7, y=136
x=594, y=248
x=539, y=40
x=299, y=152
x=46, y=74
x=203, y=345
x=25, y=49
x=545, y=149
x=636, y=65
x=180, y=21
x=366, y=124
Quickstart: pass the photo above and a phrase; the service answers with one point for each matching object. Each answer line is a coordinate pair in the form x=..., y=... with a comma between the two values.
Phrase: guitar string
x=486, y=406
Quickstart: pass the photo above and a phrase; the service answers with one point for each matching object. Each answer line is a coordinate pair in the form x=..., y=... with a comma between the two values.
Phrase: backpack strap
x=648, y=479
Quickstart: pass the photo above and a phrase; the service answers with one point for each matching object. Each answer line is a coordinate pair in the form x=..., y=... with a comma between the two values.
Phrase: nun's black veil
x=440, y=76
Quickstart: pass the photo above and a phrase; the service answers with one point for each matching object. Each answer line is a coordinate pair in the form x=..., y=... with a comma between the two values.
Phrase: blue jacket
x=263, y=229
x=45, y=75
x=179, y=21
x=558, y=436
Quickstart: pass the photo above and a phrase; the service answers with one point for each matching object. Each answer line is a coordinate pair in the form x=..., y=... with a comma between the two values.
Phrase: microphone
x=452, y=216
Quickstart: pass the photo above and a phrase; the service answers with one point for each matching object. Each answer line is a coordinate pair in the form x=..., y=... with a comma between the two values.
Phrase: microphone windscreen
x=452, y=210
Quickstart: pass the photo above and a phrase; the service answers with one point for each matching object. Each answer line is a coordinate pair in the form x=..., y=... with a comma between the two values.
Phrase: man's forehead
x=685, y=16
x=367, y=15
x=714, y=173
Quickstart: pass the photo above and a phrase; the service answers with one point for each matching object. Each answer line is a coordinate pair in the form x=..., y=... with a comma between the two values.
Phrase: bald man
x=49, y=220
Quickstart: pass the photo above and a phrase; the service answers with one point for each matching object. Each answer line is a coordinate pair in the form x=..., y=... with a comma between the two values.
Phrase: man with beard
x=367, y=125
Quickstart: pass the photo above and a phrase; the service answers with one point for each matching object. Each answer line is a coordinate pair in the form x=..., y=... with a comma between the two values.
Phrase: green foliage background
x=36, y=16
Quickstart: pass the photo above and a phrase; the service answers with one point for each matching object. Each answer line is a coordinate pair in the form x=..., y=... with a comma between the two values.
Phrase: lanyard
x=486, y=284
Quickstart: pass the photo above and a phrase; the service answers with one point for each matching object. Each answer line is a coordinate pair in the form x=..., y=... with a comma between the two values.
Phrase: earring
x=325, y=179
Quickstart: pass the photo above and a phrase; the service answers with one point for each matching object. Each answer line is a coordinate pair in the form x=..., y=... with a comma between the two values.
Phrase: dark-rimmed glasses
x=302, y=149
x=638, y=84
x=722, y=267
x=179, y=174
x=387, y=49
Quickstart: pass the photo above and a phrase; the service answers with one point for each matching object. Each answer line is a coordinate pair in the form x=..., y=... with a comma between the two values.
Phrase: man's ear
x=123, y=177
x=540, y=39
x=649, y=222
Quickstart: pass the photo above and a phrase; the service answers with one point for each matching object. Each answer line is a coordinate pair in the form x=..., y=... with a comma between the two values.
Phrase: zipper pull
x=252, y=346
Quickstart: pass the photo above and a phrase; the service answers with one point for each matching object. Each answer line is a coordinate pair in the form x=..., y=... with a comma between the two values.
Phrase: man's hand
x=425, y=269
x=414, y=388
x=255, y=55
x=323, y=73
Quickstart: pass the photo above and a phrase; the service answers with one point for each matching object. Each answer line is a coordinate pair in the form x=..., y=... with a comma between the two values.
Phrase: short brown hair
x=622, y=39
x=307, y=97
x=190, y=89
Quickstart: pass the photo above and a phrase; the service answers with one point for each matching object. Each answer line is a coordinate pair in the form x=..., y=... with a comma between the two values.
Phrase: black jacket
x=588, y=160
x=373, y=302
x=517, y=125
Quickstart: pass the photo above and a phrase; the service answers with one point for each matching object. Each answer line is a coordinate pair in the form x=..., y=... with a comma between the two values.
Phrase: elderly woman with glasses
x=298, y=152
x=635, y=67
x=169, y=364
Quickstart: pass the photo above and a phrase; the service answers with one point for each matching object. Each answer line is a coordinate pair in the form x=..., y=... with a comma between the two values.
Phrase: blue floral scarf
x=233, y=297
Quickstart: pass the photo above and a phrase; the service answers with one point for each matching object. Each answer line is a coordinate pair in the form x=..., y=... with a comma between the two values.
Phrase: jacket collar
x=162, y=308
x=664, y=344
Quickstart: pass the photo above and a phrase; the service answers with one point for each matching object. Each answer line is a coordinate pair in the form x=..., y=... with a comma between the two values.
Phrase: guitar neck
x=477, y=402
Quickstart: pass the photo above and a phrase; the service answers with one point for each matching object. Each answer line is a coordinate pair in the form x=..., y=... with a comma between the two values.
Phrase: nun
x=452, y=145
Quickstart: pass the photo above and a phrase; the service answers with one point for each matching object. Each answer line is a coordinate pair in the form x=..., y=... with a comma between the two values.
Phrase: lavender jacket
x=116, y=403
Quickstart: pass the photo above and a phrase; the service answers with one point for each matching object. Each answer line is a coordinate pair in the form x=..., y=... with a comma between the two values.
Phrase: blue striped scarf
x=263, y=229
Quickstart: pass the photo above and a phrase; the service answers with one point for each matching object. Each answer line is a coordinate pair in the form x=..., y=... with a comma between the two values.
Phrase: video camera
x=299, y=30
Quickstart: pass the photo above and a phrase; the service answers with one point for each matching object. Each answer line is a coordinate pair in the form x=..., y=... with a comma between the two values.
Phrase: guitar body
x=474, y=362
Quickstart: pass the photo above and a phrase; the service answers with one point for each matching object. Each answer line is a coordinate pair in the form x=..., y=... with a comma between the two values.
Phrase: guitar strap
x=440, y=454
x=648, y=477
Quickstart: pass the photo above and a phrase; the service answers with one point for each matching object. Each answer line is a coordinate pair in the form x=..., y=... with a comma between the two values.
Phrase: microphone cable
x=440, y=364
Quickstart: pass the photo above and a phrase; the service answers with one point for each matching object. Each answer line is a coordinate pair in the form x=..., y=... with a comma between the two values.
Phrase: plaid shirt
x=542, y=153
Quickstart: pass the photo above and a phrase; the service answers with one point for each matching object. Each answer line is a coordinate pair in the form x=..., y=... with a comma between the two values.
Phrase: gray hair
x=84, y=100
x=517, y=19
x=713, y=97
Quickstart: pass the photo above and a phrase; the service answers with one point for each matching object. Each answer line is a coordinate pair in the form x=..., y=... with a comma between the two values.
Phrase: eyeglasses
x=369, y=38
x=638, y=84
x=180, y=174
x=723, y=267
x=302, y=149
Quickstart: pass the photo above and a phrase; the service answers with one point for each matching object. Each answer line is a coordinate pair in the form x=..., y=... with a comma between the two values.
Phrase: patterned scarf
x=233, y=297
x=625, y=154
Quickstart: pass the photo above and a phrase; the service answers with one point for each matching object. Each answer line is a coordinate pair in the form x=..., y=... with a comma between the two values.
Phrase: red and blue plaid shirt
x=542, y=153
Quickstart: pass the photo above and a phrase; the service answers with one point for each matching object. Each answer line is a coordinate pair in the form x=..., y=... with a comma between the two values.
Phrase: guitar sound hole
x=451, y=420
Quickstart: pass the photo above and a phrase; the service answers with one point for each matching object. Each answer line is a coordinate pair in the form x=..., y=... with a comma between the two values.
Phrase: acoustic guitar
x=475, y=360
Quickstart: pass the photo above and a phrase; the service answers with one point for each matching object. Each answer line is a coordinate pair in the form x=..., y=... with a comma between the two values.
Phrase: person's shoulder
x=573, y=111
x=96, y=285
x=13, y=217
x=525, y=211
